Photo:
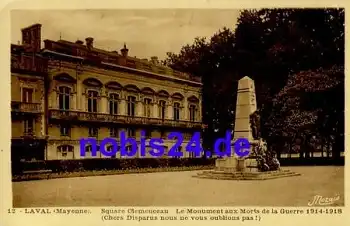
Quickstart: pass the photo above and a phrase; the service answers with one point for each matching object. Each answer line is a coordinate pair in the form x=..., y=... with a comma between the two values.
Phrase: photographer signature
x=323, y=201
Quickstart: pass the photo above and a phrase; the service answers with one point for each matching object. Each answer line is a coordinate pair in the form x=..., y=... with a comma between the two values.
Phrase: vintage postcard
x=168, y=113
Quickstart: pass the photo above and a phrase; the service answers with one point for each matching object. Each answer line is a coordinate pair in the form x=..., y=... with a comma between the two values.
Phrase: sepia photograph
x=178, y=107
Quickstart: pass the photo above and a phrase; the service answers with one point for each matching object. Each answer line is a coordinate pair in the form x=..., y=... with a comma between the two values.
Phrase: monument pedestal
x=236, y=168
x=237, y=164
x=244, y=175
x=231, y=164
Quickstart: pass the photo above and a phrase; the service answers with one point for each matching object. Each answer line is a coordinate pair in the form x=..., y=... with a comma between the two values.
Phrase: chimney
x=31, y=37
x=154, y=60
x=89, y=42
x=79, y=42
x=124, y=51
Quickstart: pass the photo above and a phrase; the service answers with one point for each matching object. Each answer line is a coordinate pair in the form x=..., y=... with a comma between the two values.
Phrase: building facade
x=95, y=93
x=28, y=73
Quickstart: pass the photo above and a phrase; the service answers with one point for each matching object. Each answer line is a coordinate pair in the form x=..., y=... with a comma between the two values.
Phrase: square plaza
x=181, y=189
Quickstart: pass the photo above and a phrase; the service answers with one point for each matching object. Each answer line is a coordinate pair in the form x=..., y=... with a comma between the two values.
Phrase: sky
x=146, y=32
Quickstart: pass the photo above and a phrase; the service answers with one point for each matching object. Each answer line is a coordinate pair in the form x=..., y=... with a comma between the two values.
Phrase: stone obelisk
x=245, y=106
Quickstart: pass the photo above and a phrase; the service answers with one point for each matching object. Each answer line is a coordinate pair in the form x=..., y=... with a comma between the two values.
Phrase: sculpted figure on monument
x=260, y=153
x=266, y=158
x=255, y=125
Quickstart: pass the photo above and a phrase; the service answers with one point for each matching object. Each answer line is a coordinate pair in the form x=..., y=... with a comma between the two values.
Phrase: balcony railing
x=28, y=63
x=28, y=135
x=17, y=106
x=119, y=119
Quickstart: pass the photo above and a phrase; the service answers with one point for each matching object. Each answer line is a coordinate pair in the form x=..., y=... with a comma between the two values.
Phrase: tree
x=311, y=102
x=274, y=47
x=211, y=59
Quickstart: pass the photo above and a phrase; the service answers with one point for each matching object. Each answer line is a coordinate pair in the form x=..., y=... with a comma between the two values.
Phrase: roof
x=112, y=57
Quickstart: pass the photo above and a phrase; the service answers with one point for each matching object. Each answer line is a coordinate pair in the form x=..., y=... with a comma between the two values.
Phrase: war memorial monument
x=261, y=163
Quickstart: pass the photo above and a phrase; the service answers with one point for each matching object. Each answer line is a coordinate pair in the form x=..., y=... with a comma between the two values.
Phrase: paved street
x=180, y=189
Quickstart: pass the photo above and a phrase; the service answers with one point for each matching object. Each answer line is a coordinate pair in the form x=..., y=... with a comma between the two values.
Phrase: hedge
x=44, y=176
x=77, y=165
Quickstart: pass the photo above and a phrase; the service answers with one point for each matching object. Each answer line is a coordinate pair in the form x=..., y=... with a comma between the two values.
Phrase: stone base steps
x=220, y=175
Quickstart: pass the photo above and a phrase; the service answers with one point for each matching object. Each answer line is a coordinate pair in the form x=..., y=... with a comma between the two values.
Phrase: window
x=162, y=105
x=128, y=149
x=92, y=101
x=162, y=133
x=148, y=133
x=179, y=149
x=28, y=127
x=192, y=154
x=27, y=95
x=64, y=149
x=64, y=98
x=187, y=136
x=65, y=130
x=113, y=104
x=110, y=149
x=176, y=111
x=131, y=105
x=89, y=148
x=93, y=132
x=113, y=132
x=147, y=107
x=193, y=112
x=131, y=132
